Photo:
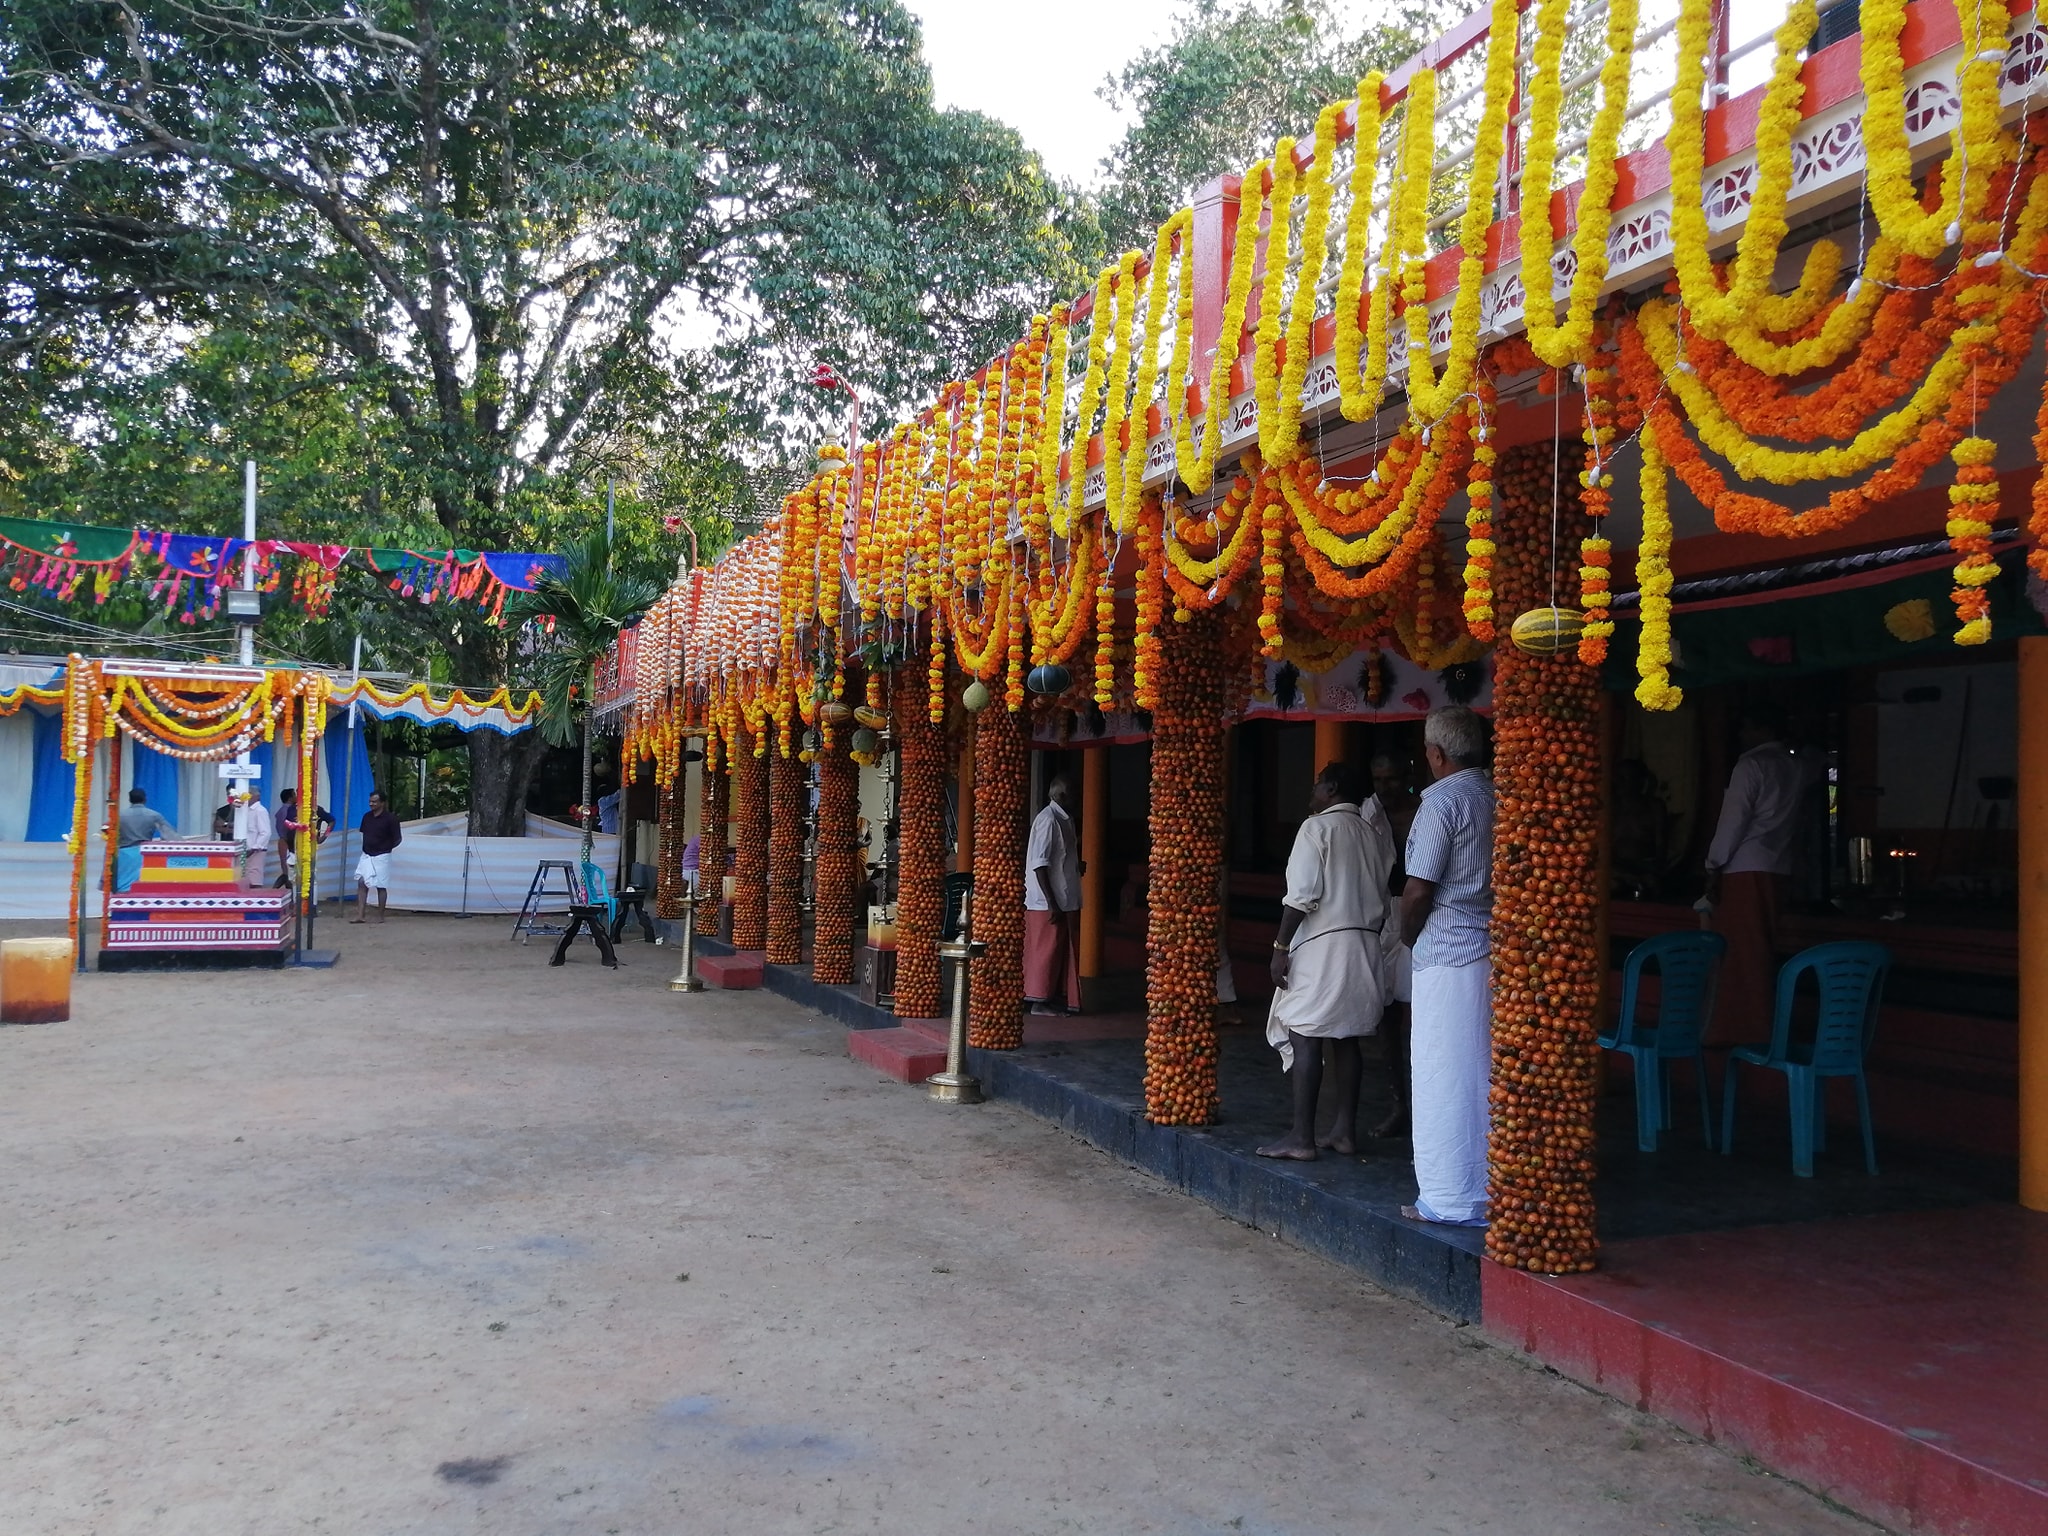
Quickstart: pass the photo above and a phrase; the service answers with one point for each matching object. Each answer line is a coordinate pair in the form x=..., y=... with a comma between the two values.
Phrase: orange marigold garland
x=1596, y=481
x=750, y=852
x=996, y=992
x=921, y=874
x=1547, y=971
x=1972, y=500
x=1187, y=824
x=1479, y=544
x=789, y=785
x=835, y=897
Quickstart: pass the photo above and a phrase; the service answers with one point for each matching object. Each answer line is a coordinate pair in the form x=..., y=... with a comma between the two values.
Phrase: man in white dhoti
x=1327, y=958
x=1446, y=909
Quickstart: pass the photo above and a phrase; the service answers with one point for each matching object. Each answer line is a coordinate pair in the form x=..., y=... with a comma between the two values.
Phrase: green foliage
x=448, y=270
x=1229, y=82
x=581, y=612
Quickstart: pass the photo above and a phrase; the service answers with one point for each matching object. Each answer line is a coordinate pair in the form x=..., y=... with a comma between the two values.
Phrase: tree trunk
x=500, y=770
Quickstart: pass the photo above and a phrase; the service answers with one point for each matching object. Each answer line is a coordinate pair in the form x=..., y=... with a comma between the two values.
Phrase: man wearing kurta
x=1328, y=956
x=1052, y=905
x=1446, y=908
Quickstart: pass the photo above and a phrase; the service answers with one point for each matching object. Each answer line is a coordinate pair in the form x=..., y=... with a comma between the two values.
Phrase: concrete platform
x=1892, y=1362
x=735, y=972
x=908, y=1054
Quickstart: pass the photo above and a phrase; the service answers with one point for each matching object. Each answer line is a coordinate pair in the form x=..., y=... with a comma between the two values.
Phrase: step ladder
x=545, y=901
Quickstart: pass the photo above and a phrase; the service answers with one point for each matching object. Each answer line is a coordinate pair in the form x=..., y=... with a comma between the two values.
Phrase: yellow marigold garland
x=1429, y=397
x=1655, y=691
x=1715, y=311
x=1359, y=396
x=1197, y=458
x=1560, y=343
x=1973, y=146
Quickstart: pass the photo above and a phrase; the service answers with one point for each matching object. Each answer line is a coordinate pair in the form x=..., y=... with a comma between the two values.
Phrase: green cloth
x=94, y=546
x=1794, y=636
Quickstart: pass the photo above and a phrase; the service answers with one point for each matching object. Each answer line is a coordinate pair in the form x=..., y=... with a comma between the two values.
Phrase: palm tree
x=583, y=610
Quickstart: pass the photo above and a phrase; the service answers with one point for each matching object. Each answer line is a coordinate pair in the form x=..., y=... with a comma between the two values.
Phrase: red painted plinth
x=909, y=1055
x=1894, y=1363
x=734, y=972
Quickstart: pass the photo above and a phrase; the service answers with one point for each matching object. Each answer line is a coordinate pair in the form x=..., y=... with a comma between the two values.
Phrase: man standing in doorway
x=381, y=834
x=1052, y=905
x=1755, y=848
x=1327, y=959
x=1446, y=907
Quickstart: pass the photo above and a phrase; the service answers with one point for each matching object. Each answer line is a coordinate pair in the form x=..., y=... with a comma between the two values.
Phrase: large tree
x=497, y=247
x=1228, y=82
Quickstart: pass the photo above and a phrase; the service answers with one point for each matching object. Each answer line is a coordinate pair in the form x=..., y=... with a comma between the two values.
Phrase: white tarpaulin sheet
x=436, y=869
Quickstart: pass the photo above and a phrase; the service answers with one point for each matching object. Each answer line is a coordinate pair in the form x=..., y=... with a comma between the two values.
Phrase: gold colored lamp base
x=954, y=1088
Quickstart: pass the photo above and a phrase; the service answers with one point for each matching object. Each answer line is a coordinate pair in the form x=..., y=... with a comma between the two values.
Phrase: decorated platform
x=189, y=904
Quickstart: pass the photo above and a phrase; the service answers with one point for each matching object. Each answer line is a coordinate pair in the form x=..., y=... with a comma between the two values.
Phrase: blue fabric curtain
x=49, y=804
x=156, y=775
x=334, y=772
x=265, y=755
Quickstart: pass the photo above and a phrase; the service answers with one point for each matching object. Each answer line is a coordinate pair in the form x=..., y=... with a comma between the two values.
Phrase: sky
x=1037, y=65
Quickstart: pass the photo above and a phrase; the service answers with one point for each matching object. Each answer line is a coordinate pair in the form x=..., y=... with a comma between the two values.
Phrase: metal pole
x=348, y=777
x=248, y=631
x=954, y=1086
x=686, y=978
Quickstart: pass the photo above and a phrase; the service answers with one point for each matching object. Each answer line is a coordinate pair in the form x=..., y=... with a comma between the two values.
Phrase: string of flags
x=190, y=571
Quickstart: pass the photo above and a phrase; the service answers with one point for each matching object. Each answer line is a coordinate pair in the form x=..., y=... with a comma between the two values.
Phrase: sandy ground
x=445, y=1241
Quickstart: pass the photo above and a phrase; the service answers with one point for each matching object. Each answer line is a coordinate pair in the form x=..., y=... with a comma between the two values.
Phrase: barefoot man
x=381, y=834
x=1326, y=961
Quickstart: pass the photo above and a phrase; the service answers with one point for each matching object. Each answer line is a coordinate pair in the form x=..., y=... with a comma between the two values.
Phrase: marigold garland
x=836, y=871
x=1359, y=394
x=1972, y=499
x=1561, y=343
x=921, y=849
x=1432, y=398
x=1653, y=582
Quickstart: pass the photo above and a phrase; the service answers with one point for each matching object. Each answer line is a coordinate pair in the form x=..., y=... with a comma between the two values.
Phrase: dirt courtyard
x=442, y=1240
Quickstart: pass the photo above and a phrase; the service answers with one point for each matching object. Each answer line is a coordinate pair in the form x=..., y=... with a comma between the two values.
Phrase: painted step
x=908, y=1055
x=737, y=972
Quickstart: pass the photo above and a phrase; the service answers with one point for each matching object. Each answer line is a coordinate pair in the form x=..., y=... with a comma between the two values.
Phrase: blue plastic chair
x=1688, y=965
x=1850, y=977
x=598, y=892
